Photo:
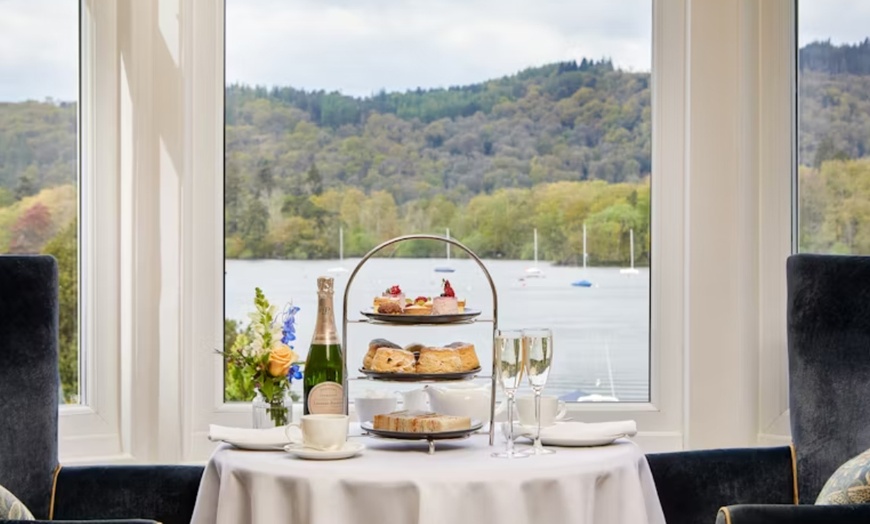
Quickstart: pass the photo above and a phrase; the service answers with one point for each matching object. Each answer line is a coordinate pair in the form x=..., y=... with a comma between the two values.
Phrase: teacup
x=552, y=409
x=324, y=432
x=367, y=407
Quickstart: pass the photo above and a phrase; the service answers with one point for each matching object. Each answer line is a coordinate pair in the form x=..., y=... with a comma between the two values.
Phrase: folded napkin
x=252, y=437
x=586, y=430
x=590, y=429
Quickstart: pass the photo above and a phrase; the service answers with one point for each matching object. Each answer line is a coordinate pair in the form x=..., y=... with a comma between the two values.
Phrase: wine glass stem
x=538, y=416
x=509, y=446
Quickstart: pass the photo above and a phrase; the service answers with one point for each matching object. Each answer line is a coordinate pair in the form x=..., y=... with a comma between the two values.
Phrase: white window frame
x=153, y=294
x=718, y=145
x=659, y=420
x=91, y=430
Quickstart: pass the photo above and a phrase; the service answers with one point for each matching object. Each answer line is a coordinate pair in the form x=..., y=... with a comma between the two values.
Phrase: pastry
x=439, y=360
x=414, y=348
x=390, y=308
x=415, y=309
x=420, y=422
x=446, y=304
x=373, y=348
x=390, y=360
x=467, y=355
x=392, y=294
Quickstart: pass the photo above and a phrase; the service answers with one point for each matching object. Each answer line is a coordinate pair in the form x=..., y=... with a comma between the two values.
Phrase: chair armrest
x=166, y=494
x=775, y=514
x=123, y=521
x=693, y=485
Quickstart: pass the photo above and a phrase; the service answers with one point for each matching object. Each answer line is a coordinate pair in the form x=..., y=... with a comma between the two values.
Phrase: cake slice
x=420, y=422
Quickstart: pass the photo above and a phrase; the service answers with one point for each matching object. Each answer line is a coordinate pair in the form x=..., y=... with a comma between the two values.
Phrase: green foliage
x=248, y=354
x=64, y=248
x=835, y=208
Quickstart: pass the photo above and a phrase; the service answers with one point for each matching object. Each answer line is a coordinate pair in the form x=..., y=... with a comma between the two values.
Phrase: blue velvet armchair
x=29, y=465
x=829, y=379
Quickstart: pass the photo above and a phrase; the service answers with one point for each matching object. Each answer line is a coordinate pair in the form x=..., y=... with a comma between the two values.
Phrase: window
x=39, y=153
x=833, y=116
x=522, y=130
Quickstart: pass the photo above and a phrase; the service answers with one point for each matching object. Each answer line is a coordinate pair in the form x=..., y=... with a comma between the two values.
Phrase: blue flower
x=288, y=327
x=294, y=373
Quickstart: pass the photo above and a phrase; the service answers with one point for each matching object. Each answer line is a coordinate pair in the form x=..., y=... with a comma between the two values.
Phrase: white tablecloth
x=395, y=482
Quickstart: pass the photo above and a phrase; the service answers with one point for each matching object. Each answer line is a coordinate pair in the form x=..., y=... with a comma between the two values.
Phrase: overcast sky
x=361, y=46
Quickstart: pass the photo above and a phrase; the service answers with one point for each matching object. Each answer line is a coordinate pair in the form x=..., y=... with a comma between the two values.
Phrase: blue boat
x=582, y=283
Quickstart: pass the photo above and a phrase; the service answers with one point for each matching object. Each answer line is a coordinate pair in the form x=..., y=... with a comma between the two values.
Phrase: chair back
x=829, y=364
x=28, y=378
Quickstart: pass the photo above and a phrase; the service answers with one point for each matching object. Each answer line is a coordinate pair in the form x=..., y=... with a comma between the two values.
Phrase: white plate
x=253, y=446
x=350, y=449
x=579, y=442
x=566, y=441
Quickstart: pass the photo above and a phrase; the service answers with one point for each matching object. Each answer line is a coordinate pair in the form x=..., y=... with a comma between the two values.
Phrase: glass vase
x=272, y=414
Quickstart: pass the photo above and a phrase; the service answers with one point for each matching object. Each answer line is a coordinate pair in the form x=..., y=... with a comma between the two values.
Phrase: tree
x=314, y=182
x=64, y=248
x=31, y=230
x=255, y=227
x=26, y=184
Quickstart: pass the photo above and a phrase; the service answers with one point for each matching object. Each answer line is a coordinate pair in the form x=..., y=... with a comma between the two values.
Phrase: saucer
x=350, y=449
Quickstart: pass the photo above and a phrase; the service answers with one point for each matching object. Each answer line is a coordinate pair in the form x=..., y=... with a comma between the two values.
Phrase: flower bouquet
x=265, y=358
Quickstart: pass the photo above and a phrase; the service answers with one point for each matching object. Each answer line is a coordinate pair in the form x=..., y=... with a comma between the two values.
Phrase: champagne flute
x=509, y=366
x=538, y=357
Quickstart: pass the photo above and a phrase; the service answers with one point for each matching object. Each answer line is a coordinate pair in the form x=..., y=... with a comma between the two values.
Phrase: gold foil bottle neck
x=324, y=328
x=325, y=286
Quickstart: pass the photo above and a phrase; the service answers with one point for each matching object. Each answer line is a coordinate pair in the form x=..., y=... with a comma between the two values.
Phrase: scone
x=467, y=355
x=391, y=360
x=439, y=360
x=373, y=348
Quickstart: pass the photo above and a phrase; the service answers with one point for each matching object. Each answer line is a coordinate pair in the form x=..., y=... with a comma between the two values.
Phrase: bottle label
x=326, y=397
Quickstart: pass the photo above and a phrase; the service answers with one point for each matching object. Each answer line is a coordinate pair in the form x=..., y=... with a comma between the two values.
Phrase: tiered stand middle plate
x=463, y=318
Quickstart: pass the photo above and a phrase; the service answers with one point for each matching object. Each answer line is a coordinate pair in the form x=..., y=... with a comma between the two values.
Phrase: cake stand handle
x=489, y=280
x=431, y=446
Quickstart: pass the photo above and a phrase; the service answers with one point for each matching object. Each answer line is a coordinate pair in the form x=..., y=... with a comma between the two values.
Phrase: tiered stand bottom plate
x=430, y=437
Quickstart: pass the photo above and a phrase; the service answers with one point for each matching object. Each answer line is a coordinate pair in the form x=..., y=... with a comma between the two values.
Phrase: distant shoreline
x=442, y=260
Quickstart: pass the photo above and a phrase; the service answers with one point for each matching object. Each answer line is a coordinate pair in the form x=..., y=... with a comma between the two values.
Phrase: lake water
x=601, y=334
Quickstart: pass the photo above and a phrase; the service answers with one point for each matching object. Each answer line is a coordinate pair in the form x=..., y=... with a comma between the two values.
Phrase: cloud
x=841, y=21
x=361, y=46
x=39, y=49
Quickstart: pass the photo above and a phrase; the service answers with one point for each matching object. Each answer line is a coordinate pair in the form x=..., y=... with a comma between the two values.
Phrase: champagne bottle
x=323, y=390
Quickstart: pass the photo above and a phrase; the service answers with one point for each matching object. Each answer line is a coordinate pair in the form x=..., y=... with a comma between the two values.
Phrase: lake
x=601, y=333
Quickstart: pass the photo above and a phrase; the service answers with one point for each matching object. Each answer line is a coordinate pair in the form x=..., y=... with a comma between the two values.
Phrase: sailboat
x=630, y=270
x=340, y=268
x=534, y=271
x=583, y=282
x=447, y=268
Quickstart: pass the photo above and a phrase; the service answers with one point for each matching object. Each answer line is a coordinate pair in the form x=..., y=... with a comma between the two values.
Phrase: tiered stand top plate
x=459, y=318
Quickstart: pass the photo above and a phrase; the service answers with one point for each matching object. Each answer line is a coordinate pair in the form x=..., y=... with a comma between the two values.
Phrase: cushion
x=11, y=508
x=850, y=484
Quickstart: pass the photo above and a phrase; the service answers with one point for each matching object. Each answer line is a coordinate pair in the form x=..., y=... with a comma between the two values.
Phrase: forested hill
x=834, y=102
x=559, y=146
x=563, y=121
x=825, y=57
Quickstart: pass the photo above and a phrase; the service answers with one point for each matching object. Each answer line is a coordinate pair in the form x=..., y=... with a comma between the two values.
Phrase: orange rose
x=280, y=359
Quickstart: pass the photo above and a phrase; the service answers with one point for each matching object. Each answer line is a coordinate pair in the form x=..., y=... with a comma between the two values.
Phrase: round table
x=398, y=482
